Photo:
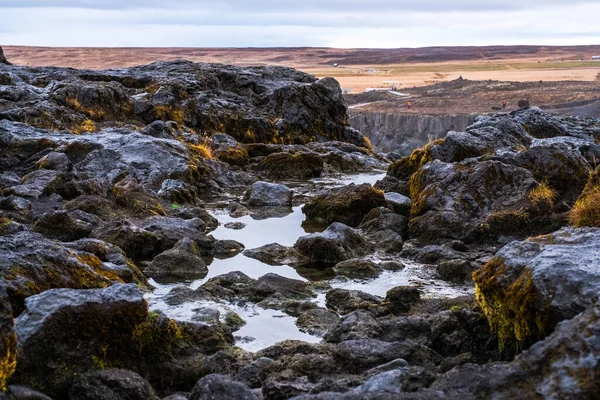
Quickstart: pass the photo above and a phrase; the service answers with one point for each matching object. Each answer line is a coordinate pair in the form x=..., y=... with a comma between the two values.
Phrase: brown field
x=359, y=68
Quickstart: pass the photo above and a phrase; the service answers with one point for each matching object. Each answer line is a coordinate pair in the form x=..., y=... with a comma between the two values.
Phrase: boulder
x=87, y=330
x=457, y=271
x=182, y=262
x=55, y=161
x=111, y=384
x=361, y=355
x=532, y=285
x=358, y=268
x=345, y=301
x=31, y=264
x=564, y=365
x=274, y=254
x=360, y=324
x=452, y=201
x=317, y=321
x=268, y=194
x=63, y=226
x=348, y=205
x=225, y=148
x=290, y=166
x=220, y=387
x=399, y=203
x=400, y=298
x=337, y=243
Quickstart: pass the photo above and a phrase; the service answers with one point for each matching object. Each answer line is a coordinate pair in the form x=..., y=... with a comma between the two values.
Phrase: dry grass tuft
x=543, y=195
x=203, y=150
x=586, y=211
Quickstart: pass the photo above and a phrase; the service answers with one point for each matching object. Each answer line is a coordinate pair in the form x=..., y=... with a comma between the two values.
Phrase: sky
x=292, y=23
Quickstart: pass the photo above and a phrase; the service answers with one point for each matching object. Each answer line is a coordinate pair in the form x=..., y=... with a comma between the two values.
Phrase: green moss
x=508, y=300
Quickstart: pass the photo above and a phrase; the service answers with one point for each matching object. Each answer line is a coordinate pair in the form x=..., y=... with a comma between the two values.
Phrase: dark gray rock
x=268, y=194
x=317, y=321
x=558, y=272
x=400, y=298
x=274, y=254
x=220, y=387
x=550, y=368
x=55, y=161
x=358, y=268
x=358, y=325
x=345, y=301
x=455, y=199
x=18, y=392
x=111, y=384
x=399, y=203
x=63, y=226
x=337, y=243
x=182, y=262
x=457, y=271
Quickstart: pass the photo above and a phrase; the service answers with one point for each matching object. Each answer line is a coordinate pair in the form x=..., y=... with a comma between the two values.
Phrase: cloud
x=349, y=23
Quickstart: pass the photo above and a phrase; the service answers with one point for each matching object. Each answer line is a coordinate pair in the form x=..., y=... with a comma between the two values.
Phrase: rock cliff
x=405, y=132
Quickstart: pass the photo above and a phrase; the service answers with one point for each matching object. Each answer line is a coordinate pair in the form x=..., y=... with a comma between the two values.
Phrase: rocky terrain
x=469, y=270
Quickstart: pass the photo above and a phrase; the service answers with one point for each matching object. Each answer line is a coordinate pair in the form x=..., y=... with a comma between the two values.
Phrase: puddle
x=268, y=327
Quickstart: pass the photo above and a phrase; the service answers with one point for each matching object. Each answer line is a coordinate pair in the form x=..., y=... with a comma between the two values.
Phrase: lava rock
x=221, y=387
x=358, y=268
x=274, y=254
x=400, y=298
x=268, y=194
x=348, y=205
x=337, y=243
x=111, y=384
x=182, y=262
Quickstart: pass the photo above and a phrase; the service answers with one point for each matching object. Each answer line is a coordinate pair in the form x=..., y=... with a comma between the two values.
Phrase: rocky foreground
x=105, y=180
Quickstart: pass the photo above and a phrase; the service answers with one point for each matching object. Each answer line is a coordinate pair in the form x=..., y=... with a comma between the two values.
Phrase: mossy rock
x=348, y=205
x=404, y=168
x=532, y=285
x=237, y=156
x=88, y=330
x=508, y=299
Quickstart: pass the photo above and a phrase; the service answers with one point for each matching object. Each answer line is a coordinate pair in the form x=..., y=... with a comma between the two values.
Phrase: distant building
x=346, y=91
x=596, y=58
x=336, y=65
x=393, y=85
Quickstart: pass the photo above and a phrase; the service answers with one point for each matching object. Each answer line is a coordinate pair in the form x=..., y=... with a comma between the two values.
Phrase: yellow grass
x=543, y=195
x=202, y=150
x=586, y=211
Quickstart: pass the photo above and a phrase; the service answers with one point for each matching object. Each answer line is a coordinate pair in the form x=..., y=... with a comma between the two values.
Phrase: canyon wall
x=406, y=132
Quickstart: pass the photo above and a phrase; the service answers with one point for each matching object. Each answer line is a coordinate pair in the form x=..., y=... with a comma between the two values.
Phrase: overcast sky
x=327, y=23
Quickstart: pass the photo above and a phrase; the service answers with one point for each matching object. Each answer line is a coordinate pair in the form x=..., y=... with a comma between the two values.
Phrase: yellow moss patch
x=93, y=113
x=8, y=360
x=507, y=299
x=543, y=195
x=405, y=167
x=169, y=113
x=586, y=211
x=86, y=126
